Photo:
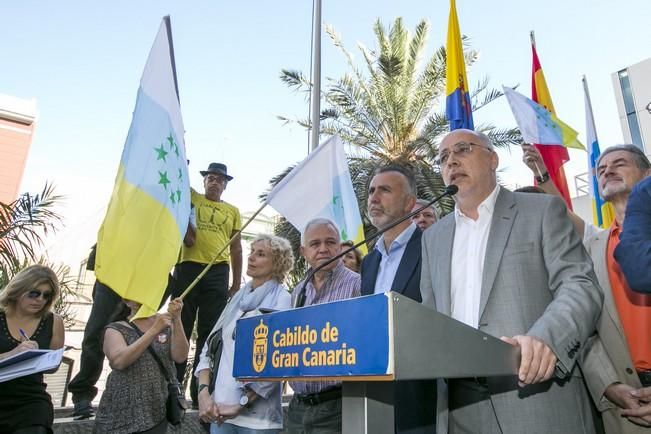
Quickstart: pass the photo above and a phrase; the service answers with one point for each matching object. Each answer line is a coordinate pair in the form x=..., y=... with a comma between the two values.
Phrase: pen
x=23, y=334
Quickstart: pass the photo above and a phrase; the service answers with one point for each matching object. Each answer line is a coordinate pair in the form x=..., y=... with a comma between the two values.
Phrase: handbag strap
x=159, y=362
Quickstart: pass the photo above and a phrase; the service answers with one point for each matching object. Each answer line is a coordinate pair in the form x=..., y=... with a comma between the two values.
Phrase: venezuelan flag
x=457, y=104
x=602, y=212
x=553, y=155
x=139, y=240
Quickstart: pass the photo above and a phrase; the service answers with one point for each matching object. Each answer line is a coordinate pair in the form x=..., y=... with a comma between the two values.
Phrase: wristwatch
x=244, y=400
x=201, y=387
x=542, y=178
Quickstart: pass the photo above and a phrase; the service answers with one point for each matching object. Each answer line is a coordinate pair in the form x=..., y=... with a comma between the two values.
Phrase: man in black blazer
x=394, y=265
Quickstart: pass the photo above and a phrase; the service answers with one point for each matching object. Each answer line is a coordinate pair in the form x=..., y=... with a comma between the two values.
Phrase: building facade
x=633, y=96
x=17, y=123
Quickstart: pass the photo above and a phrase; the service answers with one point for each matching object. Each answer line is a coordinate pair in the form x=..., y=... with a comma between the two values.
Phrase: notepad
x=29, y=362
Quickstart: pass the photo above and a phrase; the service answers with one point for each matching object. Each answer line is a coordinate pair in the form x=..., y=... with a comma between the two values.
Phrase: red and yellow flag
x=554, y=156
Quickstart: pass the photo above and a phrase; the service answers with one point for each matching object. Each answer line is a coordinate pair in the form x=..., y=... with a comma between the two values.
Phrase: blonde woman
x=246, y=408
x=27, y=323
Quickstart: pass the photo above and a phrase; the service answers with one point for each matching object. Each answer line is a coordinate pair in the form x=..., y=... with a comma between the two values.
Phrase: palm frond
x=24, y=223
x=295, y=80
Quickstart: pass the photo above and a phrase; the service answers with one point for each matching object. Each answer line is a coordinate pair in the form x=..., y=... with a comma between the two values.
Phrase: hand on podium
x=537, y=360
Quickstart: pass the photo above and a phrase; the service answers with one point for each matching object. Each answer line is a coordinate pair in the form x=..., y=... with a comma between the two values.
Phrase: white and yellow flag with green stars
x=320, y=186
x=539, y=125
x=139, y=240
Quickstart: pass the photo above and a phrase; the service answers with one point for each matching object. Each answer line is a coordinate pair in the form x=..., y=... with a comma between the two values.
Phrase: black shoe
x=83, y=410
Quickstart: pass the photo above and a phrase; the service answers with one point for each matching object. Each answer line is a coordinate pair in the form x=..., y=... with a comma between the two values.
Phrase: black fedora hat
x=217, y=168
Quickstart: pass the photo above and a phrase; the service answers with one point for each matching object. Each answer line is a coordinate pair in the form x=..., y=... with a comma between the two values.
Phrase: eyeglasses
x=216, y=178
x=459, y=149
x=35, y=293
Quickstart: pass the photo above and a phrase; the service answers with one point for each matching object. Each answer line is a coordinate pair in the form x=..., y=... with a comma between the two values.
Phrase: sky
x=82, y=62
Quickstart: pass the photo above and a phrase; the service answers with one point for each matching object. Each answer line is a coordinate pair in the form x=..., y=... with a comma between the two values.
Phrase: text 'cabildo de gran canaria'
x=284, y=357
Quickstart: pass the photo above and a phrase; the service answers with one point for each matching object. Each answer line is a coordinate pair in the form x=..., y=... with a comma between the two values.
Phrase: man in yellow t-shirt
x=214, y=223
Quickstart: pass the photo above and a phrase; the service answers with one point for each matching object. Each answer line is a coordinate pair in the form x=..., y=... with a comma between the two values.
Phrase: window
x=629, y=108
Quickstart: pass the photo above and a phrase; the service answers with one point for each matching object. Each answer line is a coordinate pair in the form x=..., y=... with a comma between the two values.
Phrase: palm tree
x=23, y=225
x=389, y=110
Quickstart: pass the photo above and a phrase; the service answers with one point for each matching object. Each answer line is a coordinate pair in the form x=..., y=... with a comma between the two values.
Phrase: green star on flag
x=173, y=145
x=163, y=179
x=162, y=153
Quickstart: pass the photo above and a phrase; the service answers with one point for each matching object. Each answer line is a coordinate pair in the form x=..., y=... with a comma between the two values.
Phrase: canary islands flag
x=457, y=104
x=539, y=125
x=139, y=240
x=320, y=186
x=602, y=212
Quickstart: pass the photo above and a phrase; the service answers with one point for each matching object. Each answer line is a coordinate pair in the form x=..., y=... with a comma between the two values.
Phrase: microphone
x=450, y=190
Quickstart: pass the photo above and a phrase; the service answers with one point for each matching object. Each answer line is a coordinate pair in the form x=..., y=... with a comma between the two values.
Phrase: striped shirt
x=340, y=284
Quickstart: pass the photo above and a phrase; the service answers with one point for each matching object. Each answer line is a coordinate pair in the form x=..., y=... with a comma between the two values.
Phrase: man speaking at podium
x=510, y=265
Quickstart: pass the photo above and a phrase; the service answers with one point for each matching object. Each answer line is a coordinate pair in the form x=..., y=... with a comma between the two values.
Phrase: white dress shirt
x=391, y=259
x=468, y=254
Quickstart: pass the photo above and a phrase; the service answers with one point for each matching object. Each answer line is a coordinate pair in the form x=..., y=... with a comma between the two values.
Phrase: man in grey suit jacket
x=511, y=265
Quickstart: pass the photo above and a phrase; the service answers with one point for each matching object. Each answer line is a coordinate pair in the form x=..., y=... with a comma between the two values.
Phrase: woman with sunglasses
x=234, y=407
x=27, y=323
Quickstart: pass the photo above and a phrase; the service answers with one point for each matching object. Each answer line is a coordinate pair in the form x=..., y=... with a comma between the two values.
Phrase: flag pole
x=214, y=259
x=168, y=26
x=587, y=95
x=315, y=112
x=532, y=36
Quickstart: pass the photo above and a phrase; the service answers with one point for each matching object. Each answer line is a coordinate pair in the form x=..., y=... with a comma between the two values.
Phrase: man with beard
x=618, y=359
x=394, y=265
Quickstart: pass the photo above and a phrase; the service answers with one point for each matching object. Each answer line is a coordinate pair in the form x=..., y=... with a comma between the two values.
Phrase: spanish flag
x=554, y=156
x=139, y=240
x=457, y=105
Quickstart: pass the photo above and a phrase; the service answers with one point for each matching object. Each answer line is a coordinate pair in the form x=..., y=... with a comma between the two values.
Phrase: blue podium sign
x=346, y=338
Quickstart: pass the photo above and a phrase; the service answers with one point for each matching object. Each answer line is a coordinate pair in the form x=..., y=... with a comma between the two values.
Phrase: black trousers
x=105, y=303
x=204, y=303
x=415, y=407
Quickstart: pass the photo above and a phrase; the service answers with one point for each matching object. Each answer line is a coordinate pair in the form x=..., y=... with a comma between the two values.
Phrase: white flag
x=320, y=187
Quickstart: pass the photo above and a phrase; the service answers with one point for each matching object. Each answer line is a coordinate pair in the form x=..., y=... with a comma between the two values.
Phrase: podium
x=367, y=343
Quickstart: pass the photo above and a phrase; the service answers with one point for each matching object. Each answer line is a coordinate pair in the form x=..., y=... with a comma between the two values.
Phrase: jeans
x=229, y=428
x=324, y=418
x=105, y=303
x=208, y=298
